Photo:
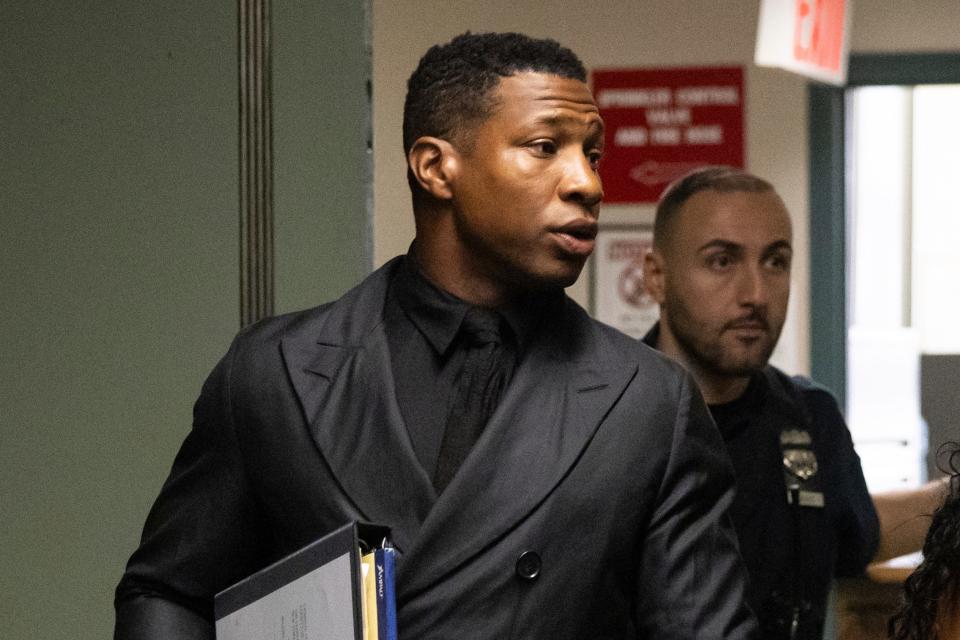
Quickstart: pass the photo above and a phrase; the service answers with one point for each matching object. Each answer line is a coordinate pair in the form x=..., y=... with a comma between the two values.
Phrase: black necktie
x=487, y=367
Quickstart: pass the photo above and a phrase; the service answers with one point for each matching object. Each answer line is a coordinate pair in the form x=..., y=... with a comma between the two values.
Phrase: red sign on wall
x=663, y=123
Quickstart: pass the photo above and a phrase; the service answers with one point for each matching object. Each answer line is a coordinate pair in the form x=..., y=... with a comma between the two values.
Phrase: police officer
x=720, y=271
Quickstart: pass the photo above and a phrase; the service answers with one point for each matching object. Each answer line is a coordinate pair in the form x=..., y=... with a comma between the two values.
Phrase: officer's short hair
x=722, y=179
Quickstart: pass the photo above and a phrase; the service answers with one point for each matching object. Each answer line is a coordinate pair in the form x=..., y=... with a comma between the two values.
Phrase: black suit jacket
x=601, y=461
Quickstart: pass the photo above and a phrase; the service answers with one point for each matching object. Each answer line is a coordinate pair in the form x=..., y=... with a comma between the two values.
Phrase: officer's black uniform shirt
x=793, y=555
x=734, y=416
x=421, y=323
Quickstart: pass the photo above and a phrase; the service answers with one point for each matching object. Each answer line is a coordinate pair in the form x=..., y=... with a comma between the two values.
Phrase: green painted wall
x=118, y=262
x=118, y=213
x=321, y=118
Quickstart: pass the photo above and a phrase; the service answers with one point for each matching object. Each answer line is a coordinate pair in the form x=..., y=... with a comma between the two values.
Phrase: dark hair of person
x=937, y=579
x=722, y=179
x=451, y=89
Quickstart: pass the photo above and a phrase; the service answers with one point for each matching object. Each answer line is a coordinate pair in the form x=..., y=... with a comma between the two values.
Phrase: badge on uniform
x=800, y=468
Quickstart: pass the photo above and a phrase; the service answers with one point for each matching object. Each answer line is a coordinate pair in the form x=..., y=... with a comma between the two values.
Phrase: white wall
x=630, y=33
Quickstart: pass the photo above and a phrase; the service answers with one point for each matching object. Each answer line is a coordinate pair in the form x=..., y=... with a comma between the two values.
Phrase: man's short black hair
x=450, y=90
x=722, y=179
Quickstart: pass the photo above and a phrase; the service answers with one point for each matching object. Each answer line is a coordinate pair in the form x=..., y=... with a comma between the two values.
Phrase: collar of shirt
x=438, y=314
x=734, y=416
x=652, y=336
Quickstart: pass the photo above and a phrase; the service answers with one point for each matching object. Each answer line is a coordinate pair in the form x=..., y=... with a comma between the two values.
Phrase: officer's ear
x=433, y=163
x=654, y=274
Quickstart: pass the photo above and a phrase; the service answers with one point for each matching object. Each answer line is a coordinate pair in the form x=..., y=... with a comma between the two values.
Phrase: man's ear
x=433, y=162
x=654, y=275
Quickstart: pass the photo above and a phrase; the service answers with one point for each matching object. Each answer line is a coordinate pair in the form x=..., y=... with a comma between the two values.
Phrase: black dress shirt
x=422, y=322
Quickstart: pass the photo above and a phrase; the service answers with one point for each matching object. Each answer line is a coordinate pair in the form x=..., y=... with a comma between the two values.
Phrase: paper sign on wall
x=620, y=296
x=663, y=123
x=809, y=37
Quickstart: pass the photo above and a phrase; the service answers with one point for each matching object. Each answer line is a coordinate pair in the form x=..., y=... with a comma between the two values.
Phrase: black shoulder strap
x=804, y=495
x=797, y=435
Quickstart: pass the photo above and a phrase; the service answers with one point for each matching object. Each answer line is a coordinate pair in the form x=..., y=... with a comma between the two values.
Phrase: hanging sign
x=809, y=37
x=663, y=123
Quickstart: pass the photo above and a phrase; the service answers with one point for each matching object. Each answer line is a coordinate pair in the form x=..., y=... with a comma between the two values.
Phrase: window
x=903, y=218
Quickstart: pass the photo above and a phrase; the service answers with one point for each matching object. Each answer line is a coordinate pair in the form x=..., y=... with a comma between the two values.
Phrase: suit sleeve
x=201, y=534
x=692, y=582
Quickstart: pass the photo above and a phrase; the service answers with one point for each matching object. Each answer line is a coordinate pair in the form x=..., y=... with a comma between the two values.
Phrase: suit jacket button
x=528, y=565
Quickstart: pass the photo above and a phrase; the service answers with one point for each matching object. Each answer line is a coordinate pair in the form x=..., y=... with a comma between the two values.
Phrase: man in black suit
x=544, y=476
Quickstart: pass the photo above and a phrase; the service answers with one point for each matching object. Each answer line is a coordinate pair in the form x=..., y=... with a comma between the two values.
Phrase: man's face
x=725, y=280
x=526, y=194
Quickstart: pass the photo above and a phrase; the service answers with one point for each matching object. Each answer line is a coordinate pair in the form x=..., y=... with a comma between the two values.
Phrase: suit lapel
x=559, y=395
x=342, y=376
x=344, y=382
